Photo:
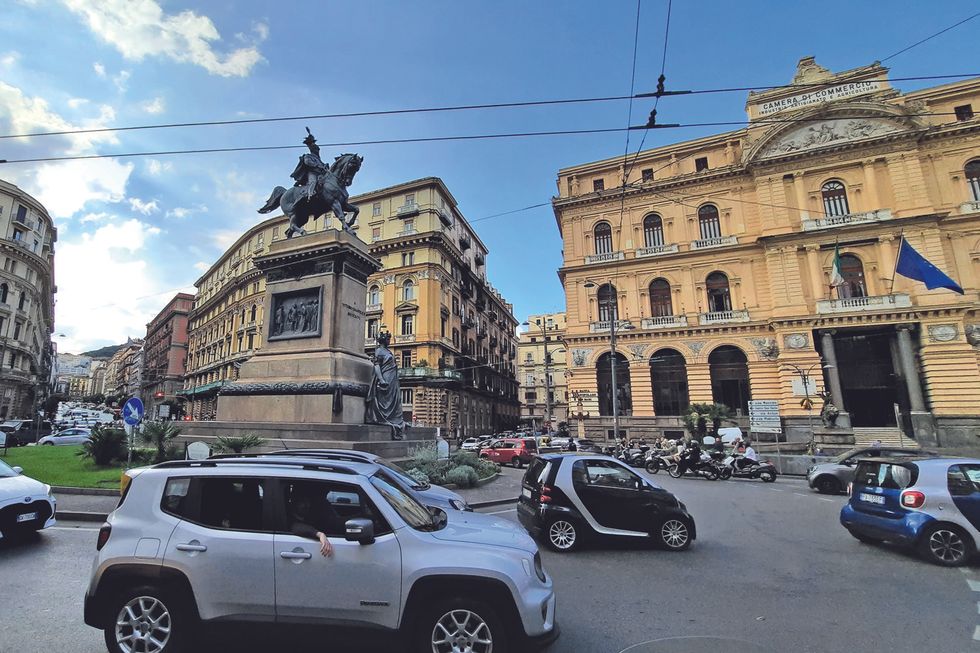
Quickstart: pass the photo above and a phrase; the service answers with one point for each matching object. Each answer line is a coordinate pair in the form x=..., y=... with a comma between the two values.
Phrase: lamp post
x=613, y=313
x=804, y=375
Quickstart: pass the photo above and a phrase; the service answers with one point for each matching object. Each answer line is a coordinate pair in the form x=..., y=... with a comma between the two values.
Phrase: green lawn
x=62, y=466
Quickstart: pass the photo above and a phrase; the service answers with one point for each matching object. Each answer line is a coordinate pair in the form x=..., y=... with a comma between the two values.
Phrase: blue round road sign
x=132, y=411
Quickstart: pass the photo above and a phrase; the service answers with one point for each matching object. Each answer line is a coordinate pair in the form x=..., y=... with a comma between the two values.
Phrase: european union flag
x=913, y=265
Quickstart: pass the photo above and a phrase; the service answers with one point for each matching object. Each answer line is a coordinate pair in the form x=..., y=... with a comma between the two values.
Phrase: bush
x=161, y=436
x=462, y=476
x=239, y=444
x=424, y=454
x=487, y=468
x=421, y=477
x=467, y=458
x=105, y=446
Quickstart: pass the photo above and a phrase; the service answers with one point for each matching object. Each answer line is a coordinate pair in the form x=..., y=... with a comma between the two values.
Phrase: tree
x=700, y=415
x=161, y=436
x=51, y=404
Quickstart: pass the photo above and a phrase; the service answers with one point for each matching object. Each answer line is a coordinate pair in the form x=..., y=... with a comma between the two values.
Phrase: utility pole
x=614, y=317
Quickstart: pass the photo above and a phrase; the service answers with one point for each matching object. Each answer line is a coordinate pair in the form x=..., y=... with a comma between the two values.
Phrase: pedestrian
x=876, y=448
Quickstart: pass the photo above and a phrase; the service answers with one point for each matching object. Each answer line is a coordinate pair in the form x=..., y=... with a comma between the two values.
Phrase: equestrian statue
x=318, y=189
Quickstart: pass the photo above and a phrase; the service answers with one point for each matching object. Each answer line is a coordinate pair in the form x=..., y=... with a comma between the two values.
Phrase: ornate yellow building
x=718, y=265
x=538, y=377
x=453, y=333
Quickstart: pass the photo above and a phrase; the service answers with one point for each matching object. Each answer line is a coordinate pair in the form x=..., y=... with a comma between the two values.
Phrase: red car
x=511, y=451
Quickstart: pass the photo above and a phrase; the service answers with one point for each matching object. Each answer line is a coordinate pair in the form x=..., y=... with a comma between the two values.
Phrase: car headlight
x=458, y=504
x=539, y=568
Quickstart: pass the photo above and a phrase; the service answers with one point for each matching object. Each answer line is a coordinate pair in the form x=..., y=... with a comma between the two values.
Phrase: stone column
x=800, y=195
x=886, y=263
x=906, y=356
x=833, y=373
x=816, y=274
x=871, y=202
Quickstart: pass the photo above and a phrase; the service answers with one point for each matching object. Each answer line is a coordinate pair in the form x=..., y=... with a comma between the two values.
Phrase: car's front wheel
x=49, y=444
x=946, y=545
x=562, y=535
x=827, y=485
x=460, y=625
x=675, y=534
x=148, y=620
x=516, y=462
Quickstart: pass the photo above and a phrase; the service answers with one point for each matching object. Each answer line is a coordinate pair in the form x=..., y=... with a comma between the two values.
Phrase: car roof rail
x=283, y=462
x=354, y=456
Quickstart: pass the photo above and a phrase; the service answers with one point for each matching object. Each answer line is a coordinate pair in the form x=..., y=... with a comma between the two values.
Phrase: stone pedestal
x=311, y=368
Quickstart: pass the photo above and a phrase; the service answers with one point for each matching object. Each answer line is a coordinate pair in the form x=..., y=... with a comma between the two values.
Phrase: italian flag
x=836, y=278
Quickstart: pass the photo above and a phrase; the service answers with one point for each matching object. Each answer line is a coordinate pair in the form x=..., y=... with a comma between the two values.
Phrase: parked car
x=588, y=446
x=510, y=451
x=66, y=437
x=832, y=477
x=233, y=540
x=931, y=505
x=21, y=432
x=471, y=444
x=426, y=493
x=571, y=497
x=25, y=504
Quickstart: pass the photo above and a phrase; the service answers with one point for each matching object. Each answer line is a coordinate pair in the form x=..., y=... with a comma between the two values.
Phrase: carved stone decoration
x=831, y=132
x=388, y=279
x=637, y=351
x=943, y=332
x=808, y=70
x=306, y=388
x=766, y=347
x=423, y=274
x=796, y=341
x=296, y=314
x=580, y=356
x=973, y=334
x=696, y=345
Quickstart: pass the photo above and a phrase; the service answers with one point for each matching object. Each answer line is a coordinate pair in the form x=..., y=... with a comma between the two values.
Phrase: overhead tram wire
x=930, y=37
x=629, y=115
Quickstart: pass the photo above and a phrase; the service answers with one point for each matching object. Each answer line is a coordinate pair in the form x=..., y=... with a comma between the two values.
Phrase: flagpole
x=901, y=239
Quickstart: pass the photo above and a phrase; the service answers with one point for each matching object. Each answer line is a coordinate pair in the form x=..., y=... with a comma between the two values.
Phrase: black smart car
x=569, y=497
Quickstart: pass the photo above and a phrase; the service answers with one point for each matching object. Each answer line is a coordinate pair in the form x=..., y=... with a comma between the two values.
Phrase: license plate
x=526, y=492
x=872, y=498
x=27, y=516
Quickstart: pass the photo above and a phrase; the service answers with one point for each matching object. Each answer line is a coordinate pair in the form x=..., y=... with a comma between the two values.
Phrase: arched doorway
x=668, y=374
x=603, y=371
x=730, y=378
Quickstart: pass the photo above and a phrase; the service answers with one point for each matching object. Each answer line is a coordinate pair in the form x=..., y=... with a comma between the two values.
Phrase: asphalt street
x=771, y=571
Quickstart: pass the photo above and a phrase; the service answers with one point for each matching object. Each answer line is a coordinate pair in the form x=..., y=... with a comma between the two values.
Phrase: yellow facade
x=538, y=376
x=720, y=259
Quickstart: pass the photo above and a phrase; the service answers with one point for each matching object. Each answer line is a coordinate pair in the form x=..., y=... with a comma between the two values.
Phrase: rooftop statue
x=318, y=189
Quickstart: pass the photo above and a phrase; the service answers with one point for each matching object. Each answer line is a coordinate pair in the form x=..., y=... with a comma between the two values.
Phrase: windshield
x=401, y=475
x=6, y=471
x=844, y=456
x=413, y=512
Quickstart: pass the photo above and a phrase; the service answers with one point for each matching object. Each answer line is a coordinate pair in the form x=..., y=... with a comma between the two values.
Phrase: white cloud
x=99, y=69
x=121, y=79
x=154, y=106
x=76, y=102
x=157, y=168
x=65, y=188
x=261, y=30
x=140, y=28
x=8, y=59
x=146, y=208
x=30, y=114
x=101, y=216
x=202, y=266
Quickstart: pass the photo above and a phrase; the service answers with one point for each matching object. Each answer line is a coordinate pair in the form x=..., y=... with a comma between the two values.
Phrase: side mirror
x=359, y=530
x=18, y=470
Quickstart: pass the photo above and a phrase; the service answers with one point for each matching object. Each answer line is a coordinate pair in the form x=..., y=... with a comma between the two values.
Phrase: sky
x=134, y=231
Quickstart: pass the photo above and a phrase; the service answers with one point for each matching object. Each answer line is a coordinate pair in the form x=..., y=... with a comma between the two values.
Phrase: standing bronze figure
x=384, y=401
x=318, y=189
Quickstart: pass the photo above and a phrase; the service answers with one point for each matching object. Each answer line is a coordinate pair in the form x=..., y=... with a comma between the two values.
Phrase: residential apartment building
x=124, y=370
x=96, y=378
x=165, y=354
x=714, y=263
x=27, y=237
x=541, y=364
x=453, y=333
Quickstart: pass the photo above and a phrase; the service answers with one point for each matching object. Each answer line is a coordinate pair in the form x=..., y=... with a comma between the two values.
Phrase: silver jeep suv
x=237, y=540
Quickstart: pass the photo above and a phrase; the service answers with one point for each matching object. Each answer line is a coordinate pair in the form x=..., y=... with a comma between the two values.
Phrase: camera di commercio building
x=717, y=271
x=452, y=332
x=27, y=237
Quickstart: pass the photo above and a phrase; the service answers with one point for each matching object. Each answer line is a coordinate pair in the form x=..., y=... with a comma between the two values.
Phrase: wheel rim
x=562, y=534
x=947, y=545
x=674, y=533
x=827, y=486
x=461, y=631
x=765, y=476
x=143, y=626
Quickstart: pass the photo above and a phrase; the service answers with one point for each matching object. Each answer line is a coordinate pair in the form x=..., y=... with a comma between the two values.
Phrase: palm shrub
x=161, y=436
x=239, y=444
x=105, y=445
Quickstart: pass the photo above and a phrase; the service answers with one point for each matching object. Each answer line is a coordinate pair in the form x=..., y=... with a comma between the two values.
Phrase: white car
x=25, y=504
x=471, y=444
x=77, y=435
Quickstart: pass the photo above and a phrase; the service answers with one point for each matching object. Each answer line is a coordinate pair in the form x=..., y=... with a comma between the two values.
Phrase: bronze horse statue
x=328, y=194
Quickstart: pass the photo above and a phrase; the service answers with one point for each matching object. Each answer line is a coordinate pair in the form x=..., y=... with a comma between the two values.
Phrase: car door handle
x=190, y=546
x=295, y=555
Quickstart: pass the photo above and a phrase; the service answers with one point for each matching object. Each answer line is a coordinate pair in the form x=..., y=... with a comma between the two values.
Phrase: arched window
x=668, y=375
x=608, y=303
x=719, y=294
x=604, y=384
x=408, y=290
x=4, y=290
x=709, y=222
x=660, y=302
x=603, y=238
x=254, y=309
x=972, y=171
x=853, y=272
x=729, y=369
x=374, y=296
x=243, y=315
x=22, y=301
x=834, y=199
x=653, y=231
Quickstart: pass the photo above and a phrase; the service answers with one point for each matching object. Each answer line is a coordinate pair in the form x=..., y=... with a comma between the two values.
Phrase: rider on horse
x=310, y=167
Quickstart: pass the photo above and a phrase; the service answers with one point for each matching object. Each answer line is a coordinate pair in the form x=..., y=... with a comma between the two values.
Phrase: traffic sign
x=132, y=411
x=764, y=416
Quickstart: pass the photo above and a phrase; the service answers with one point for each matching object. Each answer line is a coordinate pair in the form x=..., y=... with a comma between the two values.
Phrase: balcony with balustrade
x=864, y=304
x=428, y=373
x=723, y=317
x=970, y=207
x=829, y=222
x=717, y=241
x=603, y=326
x=408, y=337
x=607, y=257
x=664, y=322
x=407, y=210
x=656, y=250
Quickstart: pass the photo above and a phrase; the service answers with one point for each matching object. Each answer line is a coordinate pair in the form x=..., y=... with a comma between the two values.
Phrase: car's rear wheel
x=148, y=620
x=827, y=485
x=675, y=534
x=461, y=625
x=946, y=545
x=516, y=462
x=484, y=456
x=562, y=535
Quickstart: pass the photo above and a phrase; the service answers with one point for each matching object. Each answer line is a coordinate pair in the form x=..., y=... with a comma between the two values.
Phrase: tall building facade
x=542, y=366
x=454, y=335
x=714, y=264
x=165, y=353
x=124, y=370
x=27, y=237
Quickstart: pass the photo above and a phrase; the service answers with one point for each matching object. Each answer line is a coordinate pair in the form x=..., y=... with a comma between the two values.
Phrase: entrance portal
x=730, y=378
x=868, y=378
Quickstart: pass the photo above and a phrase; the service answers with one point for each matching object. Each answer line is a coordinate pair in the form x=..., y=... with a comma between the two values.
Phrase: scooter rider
x=749, y=458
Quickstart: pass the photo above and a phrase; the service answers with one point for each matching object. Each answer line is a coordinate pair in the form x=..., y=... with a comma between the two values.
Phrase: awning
x=202, y=389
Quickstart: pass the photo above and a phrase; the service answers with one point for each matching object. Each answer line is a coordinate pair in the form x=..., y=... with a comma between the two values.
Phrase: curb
x=91, y=491
x=71, y=515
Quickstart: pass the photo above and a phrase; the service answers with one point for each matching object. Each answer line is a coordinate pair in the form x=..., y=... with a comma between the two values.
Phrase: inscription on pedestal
x=296, y=314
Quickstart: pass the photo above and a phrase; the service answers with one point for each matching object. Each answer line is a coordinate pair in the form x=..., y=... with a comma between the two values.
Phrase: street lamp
x=804, y=375
x=613, y=313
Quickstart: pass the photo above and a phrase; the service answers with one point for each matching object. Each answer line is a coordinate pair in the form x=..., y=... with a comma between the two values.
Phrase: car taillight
x=104, y=534
x=913, y=499
x=545, y=494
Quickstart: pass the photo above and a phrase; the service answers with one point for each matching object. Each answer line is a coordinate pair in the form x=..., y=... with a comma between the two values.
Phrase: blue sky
x=134, y=231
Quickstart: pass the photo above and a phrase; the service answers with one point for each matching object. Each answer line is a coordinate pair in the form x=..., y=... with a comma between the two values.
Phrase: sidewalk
x=505, y=486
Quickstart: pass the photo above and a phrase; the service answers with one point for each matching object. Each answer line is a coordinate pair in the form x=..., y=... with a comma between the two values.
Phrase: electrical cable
x=930, y=37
